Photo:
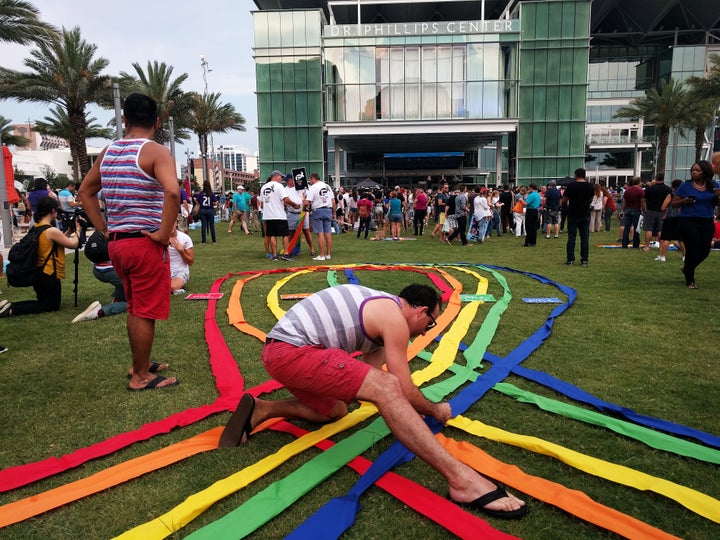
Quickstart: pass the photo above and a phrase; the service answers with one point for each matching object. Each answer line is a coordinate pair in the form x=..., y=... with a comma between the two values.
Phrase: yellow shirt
x=56, y=262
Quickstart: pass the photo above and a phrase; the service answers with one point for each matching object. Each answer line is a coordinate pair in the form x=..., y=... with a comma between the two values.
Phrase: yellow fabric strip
x=196, y=504
x=696, y=501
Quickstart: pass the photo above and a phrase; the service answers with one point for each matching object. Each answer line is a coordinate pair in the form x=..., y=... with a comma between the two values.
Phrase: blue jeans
x=581, y=225
x=631, y=219
x=119, y=305
x=207, y=223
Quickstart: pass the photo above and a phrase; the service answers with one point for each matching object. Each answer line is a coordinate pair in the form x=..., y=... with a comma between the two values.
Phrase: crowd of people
x=285, y=214
x=138, y=210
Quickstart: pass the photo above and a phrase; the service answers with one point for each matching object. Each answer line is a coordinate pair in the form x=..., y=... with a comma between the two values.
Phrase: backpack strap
x=53, y=250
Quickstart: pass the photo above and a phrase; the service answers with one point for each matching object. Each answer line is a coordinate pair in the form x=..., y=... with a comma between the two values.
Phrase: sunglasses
x=433, y=323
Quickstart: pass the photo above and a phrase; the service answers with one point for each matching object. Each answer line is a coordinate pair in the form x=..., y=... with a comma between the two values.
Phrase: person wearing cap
x=240, y=207
x=322, y=200
x=274, y=197
x=293, y=214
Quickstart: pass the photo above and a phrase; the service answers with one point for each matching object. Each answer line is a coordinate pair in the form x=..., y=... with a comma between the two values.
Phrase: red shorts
x=143, y=266
x=317, y=376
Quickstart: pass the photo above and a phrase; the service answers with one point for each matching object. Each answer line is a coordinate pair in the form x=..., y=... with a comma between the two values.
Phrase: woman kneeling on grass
x=51, y=251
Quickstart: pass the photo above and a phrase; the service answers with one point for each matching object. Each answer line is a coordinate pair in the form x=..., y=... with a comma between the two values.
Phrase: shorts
x=652, y=221
x=442, y=218
x=293, y=221
x=276, y=227
x=143, y=266
x=182, y=274
x=316, y=376
x=396, y=217
x=238, y=215
x=551, y=217
x=322, y=220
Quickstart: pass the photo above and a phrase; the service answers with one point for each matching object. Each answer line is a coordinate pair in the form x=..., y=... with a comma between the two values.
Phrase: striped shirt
x=331, y=318
x=133, y=199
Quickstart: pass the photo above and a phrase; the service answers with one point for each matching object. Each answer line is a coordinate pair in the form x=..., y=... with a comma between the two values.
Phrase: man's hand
x=155, y=236
x=443, y=412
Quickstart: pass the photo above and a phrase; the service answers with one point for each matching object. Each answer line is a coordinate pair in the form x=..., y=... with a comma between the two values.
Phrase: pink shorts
x=317, y=376
x=143, y=266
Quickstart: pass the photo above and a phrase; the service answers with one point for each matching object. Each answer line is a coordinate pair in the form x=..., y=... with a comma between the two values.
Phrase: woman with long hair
x=51, y=262
x=696, y=199
x=207, y=201
x=596, y=214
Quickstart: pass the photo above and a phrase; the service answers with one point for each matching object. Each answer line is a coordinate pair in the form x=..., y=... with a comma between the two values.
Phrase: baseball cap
x=553, y=183
x=241, y=187
x=276, y=173
x=289, y=176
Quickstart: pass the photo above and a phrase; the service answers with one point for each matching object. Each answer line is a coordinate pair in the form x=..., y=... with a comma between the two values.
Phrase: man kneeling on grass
x=309, y=352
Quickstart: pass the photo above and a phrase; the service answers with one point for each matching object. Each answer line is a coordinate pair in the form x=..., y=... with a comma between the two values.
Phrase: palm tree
x=708, y=86
x=208, y=115
x=157, y=82
x=58, y=125
x=64, y=72
x=19, y=23
x=6, y=134
x=699, y=118
x=663, y=109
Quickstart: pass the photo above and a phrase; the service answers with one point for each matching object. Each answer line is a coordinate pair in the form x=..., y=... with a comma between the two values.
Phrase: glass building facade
x=485, y=91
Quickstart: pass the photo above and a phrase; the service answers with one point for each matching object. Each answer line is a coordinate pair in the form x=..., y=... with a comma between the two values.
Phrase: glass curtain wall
x=416, y=82
x=288, y=75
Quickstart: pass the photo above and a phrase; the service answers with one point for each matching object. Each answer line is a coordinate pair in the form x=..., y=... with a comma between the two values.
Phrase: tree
x=208, y=115
x=708, y=86
x=6, y=134
x=64, y=72
x=58, y=125
x=664, y=109
x=19, y=23
x=157, y=82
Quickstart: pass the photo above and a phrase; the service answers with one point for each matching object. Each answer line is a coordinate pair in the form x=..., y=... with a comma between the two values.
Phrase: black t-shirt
x=507, y=199
x=655, y=195
x=552, y=198
x=450, y=206
x=579, y=196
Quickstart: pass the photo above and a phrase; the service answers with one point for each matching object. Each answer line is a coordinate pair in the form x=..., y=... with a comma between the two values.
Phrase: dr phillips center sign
x=422, y=29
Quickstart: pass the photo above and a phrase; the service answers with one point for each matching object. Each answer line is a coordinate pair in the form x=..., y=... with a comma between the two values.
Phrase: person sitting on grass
x=309, y=351
x=182, y=257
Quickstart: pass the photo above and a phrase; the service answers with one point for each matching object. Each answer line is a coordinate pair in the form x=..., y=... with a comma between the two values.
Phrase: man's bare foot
x=486, y=497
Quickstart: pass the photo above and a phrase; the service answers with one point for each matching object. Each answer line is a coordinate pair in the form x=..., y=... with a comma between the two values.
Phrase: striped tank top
x=331, y=318
x=133, y=199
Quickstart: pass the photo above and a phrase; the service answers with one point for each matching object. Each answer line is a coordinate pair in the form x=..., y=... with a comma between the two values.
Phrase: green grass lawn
x=636, y=336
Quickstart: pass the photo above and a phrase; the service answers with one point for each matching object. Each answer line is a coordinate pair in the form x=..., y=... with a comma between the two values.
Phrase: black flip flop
x=480, y=503
x=239, y=423
x=153, y=384
x=154, y=368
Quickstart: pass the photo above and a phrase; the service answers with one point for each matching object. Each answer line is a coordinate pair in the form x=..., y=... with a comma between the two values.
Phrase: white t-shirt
x=296, y=197
x=271, y=196
x=177, y=264
x=320, y=195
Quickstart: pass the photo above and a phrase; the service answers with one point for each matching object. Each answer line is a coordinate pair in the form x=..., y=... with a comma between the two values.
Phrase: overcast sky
x=175, y=32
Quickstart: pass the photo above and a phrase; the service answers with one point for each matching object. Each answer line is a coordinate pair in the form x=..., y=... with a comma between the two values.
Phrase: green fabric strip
x=652, y=438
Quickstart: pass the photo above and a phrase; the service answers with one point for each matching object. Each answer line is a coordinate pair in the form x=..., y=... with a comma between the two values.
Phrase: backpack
x=96, y=248
x=22, y=269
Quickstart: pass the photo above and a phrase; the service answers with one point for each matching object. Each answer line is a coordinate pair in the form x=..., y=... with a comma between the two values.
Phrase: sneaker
x=268, y=255
x=90, y=313
x=569, y=263
x=556, y=236
x=179, y=292
x=5, y=310
x=3, y=349
x=660, y=258
x=583, y=263
x=448, y=242
x=548, y=236
x=286, y=258
x=275, y=259
x=319, y=258
x=3, y=302
x=328, y=257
